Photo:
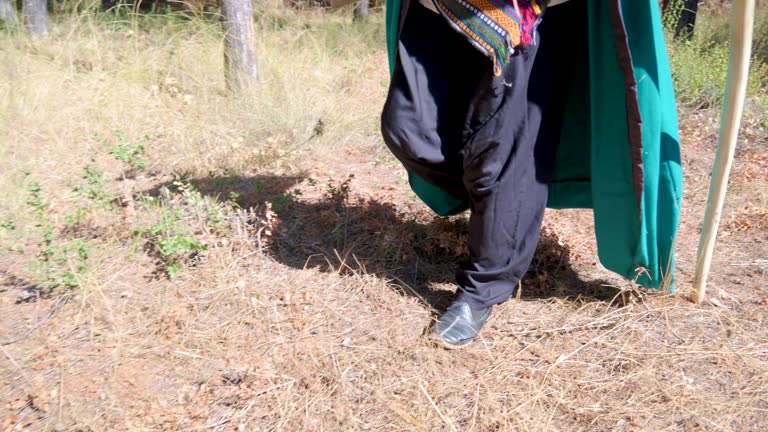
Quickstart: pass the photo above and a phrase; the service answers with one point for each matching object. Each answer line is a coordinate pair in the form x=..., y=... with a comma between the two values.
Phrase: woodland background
x=179, y=251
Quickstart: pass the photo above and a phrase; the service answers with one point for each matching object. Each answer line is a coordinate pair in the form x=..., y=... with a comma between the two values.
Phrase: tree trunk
x=239, y=49
x=361, y=10
x=8, y=12
x=35, y=16
x=108, y=5
x=686, y=21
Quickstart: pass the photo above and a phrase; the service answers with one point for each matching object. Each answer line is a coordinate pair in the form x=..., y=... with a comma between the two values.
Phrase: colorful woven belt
x=495, y=27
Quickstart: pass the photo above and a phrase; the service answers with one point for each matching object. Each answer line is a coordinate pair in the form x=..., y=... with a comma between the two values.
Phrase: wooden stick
x=742, y=24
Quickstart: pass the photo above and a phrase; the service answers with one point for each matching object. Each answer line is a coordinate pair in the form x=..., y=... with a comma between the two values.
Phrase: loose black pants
x=483, y=138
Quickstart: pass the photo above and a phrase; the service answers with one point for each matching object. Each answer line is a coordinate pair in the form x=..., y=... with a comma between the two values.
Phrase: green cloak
x=619, y=151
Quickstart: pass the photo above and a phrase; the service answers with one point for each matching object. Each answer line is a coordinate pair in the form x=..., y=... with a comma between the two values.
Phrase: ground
x=304, y=281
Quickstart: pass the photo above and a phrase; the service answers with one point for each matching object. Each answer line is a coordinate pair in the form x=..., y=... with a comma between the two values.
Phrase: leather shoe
x=460, y=324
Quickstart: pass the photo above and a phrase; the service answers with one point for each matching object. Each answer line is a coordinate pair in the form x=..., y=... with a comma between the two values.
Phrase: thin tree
x=8, y=12
x=108, y=5
x=239, y=45
x=360, y=13
x=685, y=13
x=35, y=15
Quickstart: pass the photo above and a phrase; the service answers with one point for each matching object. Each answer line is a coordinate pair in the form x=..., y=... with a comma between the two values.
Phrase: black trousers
x=490, y=140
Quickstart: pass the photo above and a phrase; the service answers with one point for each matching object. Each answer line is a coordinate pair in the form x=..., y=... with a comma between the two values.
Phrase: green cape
x=619, y=152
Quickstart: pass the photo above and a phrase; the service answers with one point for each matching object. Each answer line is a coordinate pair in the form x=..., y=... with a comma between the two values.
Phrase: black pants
x=483, y=138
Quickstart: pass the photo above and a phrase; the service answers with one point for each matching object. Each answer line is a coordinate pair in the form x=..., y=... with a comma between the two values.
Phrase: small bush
x=127, y=153
x=60, y=262
x=173, y=242
x=61, y=265
x=181, y=216
x=94, y=185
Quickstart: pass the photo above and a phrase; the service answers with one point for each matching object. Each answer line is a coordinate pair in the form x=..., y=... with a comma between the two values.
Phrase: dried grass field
x=174, y=259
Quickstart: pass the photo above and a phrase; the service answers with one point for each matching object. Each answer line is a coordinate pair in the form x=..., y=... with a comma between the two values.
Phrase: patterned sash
x=495, y=27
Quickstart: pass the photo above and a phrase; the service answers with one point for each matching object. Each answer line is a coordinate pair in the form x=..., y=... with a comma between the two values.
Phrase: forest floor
x=234, y=265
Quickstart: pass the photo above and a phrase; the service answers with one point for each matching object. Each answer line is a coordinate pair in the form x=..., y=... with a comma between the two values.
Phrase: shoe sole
x=438, y=342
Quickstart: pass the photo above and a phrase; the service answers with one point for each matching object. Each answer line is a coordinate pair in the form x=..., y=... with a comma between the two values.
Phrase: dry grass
x=306, y=309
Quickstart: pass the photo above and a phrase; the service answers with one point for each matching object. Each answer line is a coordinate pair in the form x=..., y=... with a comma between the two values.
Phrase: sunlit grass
x=162, y=76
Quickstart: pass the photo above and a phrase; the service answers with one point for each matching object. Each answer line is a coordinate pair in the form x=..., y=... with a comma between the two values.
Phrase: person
x=480, y=98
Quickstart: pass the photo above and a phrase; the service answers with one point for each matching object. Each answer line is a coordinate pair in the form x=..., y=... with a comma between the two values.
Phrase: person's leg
x=436, y=79
x=450, y=121
x=507, y=163
x=506, y=203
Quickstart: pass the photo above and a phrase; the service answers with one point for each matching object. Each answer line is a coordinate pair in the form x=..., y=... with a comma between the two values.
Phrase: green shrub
x=173, y=242
x=700, y=66
x=171, y=238
x=60, y=262
x=127, y=153
x=60, y=265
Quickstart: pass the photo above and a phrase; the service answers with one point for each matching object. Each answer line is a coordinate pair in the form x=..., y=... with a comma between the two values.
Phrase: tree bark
x=239, y=45
x=360, y=12
x=8, y=12
x=108, y=5
x=686, y=21
x=35, y=15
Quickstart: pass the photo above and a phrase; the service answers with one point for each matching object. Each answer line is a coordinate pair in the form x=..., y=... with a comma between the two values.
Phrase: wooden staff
x=742, y=24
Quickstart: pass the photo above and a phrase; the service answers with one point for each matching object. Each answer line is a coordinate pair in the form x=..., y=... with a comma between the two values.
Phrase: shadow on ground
x=324, y=226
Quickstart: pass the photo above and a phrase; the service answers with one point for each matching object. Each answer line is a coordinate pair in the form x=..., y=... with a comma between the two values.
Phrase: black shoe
x=460, y=324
